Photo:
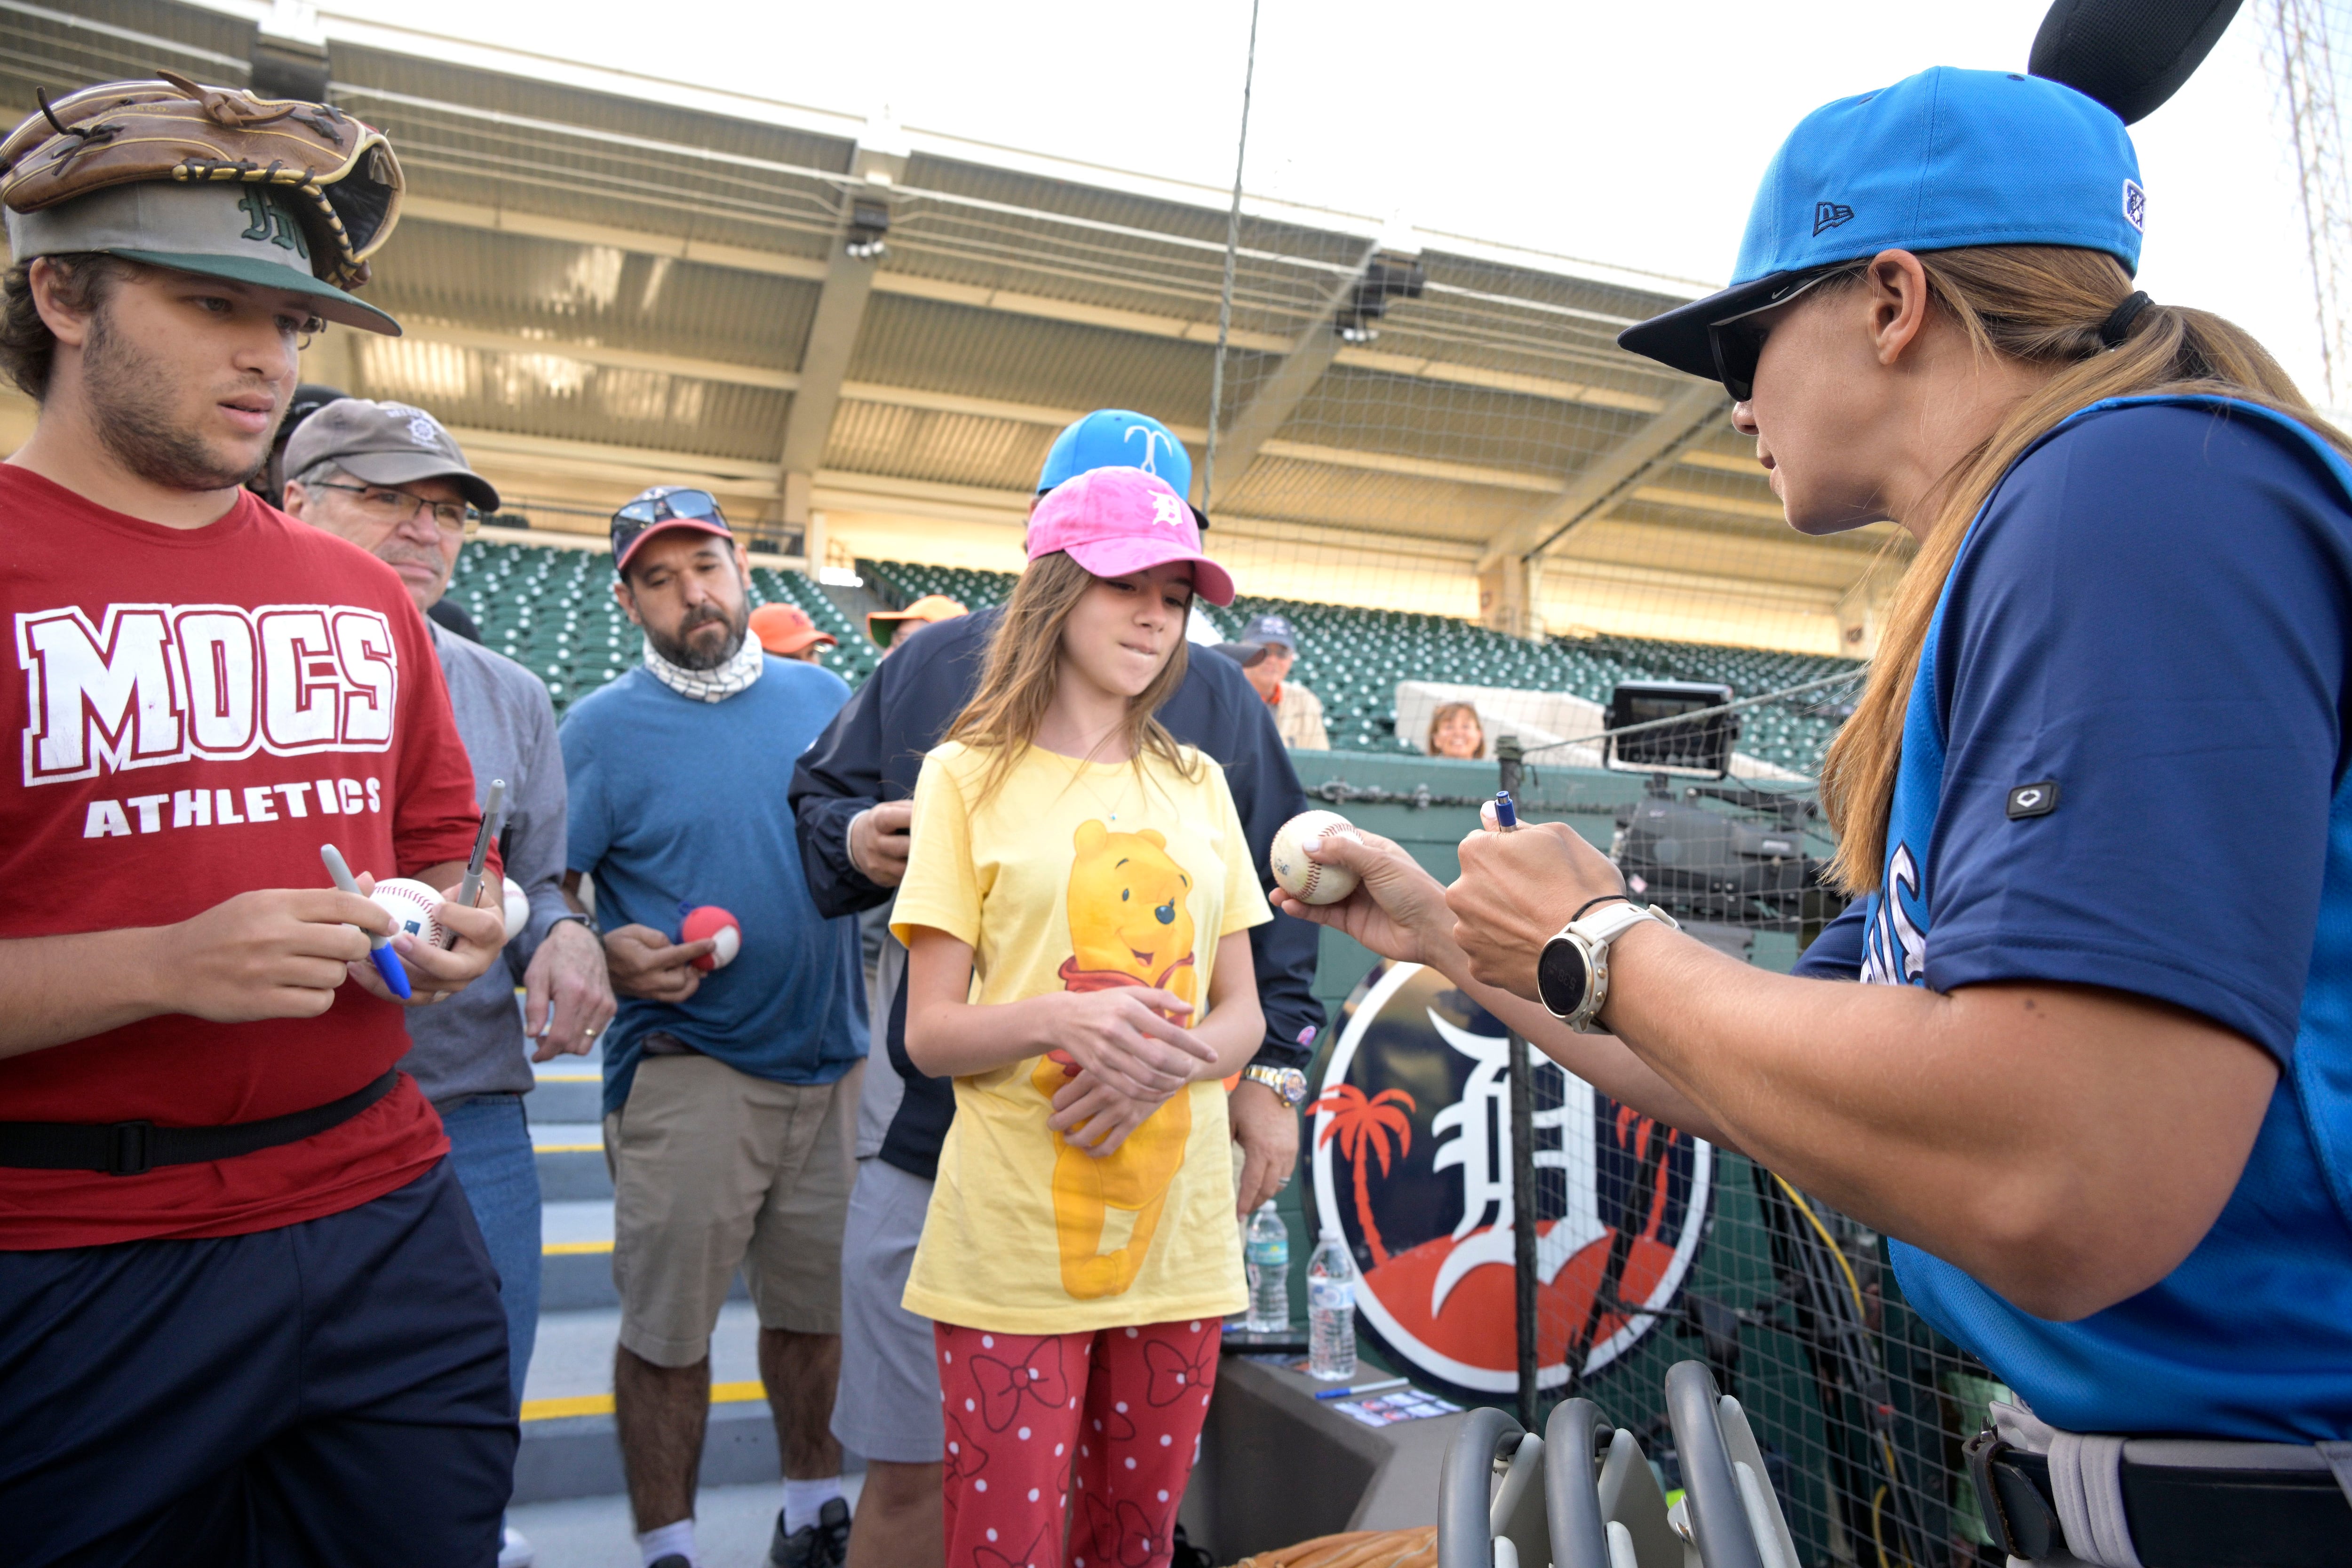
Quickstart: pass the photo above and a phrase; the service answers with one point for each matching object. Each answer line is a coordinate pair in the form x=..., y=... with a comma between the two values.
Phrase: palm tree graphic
x=1359, y=1123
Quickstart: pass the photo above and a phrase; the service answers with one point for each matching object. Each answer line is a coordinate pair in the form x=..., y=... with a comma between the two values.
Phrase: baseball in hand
x=410, y=905
x=720, y=927
x=516, y=908
x=1307, y=880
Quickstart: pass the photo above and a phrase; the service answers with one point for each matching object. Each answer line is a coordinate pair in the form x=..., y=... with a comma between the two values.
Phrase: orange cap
x=929, y=607
x=786, y=629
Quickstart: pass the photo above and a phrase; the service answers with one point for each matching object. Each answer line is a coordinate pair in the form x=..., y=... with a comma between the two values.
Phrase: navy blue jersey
x=2124, y=766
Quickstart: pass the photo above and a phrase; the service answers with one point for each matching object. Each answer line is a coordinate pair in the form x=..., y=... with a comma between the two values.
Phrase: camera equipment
x=1700, y=749
x=1724, y=852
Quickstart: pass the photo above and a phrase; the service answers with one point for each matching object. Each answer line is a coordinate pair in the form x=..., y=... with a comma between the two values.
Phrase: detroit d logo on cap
x=1412, y=1141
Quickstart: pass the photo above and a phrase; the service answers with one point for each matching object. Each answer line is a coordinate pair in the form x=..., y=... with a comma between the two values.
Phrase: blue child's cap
x=1940, y=160
x=1117, y=438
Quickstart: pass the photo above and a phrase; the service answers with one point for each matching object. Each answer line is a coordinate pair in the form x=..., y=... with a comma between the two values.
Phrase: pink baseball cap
x=1113, y=521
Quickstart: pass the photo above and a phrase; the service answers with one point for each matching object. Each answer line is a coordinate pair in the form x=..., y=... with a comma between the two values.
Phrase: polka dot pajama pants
x=1107, y=1422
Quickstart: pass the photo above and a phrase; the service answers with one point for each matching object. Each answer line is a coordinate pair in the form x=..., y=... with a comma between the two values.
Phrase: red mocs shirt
x=192, y=714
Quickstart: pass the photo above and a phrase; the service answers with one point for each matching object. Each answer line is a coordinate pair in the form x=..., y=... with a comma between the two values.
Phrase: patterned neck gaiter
x=710, y=685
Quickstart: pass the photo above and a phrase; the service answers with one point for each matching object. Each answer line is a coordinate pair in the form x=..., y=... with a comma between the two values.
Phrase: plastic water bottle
x=1266, y=1256
x=1331, y=1309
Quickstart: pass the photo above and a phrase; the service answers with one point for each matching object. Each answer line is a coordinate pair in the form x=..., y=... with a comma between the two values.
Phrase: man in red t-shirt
x=244, y=1312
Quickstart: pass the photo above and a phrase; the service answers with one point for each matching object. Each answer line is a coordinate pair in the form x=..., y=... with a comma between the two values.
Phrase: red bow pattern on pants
x=1112, y=1417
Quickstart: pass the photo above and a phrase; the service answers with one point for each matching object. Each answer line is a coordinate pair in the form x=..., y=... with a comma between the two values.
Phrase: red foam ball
x=711, y=920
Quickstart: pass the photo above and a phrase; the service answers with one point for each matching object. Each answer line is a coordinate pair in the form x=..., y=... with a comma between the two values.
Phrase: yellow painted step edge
x=573, y=1249
x=567, y=1148
x=571, y=1078
x=602, y=1403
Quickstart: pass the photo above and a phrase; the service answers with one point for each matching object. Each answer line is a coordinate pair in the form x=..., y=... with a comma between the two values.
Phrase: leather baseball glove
x=344, y=182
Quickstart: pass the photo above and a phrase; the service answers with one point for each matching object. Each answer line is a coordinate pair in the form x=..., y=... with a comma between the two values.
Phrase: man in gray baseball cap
x=388, y=477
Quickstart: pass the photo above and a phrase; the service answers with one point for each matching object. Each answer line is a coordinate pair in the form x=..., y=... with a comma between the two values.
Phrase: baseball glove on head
x=337, y=175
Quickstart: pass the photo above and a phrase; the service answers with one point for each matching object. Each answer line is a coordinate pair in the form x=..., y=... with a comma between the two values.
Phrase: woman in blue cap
x=2094, y=804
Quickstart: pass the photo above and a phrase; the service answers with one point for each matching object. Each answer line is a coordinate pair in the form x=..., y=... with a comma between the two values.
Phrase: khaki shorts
x=713, y=1168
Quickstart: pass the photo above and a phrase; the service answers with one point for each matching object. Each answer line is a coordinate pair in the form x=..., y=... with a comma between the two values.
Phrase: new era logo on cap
x=1831, y=215
x=2134, y=206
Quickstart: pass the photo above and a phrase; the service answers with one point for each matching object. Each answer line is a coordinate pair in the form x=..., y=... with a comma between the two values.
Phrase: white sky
x=1629, y=133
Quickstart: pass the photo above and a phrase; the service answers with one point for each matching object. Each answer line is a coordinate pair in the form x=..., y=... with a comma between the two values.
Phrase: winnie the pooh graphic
x=1129, y=925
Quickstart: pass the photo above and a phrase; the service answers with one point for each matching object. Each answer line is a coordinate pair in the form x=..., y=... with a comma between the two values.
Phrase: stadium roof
x=609, y=281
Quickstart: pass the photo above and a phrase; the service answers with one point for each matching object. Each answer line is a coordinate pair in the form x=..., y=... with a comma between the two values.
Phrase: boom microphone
x=2130, y=55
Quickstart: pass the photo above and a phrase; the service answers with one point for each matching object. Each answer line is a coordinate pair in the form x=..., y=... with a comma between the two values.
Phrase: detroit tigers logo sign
x=1412, y=1147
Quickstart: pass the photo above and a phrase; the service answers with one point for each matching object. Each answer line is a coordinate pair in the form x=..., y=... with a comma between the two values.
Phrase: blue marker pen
x=387, y=963
x=1507, y=815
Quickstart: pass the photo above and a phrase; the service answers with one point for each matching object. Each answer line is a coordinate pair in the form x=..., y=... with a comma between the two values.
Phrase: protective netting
x=1453, y=435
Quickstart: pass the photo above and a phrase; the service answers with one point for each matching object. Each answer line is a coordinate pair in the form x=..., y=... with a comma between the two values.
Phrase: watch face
x=1562, y=977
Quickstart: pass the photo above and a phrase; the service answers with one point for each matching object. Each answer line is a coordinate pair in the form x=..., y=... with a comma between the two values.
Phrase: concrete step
x=571, y=1159
x=569, y=1446
x=732, y=1526
x=574, y=1094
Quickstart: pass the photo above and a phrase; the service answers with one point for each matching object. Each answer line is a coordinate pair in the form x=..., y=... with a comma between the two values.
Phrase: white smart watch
x=1573, y=971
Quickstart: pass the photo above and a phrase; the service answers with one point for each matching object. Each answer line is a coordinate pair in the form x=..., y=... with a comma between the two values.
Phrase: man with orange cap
x=786, y=631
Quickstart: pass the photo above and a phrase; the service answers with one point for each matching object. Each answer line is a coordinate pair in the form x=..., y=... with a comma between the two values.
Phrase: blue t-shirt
x=2153, y=615
x=679, y=801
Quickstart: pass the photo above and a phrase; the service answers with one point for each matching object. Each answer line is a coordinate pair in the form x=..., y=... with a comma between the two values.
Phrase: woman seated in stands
x=1454, y=731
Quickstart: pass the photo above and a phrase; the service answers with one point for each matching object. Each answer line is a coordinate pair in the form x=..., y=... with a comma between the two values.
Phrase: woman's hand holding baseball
x=1398, y=910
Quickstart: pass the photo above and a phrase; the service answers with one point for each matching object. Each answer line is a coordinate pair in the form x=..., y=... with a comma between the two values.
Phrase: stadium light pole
x=1225, y=292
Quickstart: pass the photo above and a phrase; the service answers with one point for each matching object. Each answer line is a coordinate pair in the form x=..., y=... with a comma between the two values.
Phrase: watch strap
x=1288, y=1084
x=1609, y=922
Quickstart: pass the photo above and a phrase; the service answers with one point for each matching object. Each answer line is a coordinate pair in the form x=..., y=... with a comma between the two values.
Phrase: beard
x=699, y=657
x=129, y=402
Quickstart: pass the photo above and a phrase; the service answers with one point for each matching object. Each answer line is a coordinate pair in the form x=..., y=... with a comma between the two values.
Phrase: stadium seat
x=553, y=609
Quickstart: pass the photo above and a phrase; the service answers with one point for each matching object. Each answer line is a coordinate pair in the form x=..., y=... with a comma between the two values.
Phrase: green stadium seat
x=551, y=608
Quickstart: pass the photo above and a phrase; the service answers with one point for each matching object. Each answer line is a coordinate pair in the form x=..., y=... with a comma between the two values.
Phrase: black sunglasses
x=1738, y=343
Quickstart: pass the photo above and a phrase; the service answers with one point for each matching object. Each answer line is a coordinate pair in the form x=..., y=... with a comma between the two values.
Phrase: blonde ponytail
x=2046, y=304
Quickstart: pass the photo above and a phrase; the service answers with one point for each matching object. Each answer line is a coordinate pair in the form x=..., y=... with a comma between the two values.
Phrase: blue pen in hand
x=1507, y=815
x=387, y=961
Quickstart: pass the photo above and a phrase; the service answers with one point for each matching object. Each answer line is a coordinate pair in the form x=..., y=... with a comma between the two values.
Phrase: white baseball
x=1309, y=882
x=410, y=905
x=518, y=909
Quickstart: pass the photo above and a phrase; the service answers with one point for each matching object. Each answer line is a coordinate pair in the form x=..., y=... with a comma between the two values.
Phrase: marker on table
x=1507, y=815
x=387, y=963
x=492, y=809
x=1380, y=1386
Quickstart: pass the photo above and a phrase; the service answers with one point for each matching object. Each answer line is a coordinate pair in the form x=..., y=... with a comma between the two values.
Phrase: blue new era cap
x=1940, y=160
x=1117, y=438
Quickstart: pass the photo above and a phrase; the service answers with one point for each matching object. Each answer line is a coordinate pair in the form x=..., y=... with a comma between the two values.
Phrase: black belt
x=2180, y=1516
x=128, y=1148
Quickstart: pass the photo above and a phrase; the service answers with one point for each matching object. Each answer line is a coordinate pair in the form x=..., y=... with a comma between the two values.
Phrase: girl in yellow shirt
x=1076, y=908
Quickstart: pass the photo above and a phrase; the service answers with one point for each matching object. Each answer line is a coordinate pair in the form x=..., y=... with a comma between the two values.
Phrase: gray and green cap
x=244, y=232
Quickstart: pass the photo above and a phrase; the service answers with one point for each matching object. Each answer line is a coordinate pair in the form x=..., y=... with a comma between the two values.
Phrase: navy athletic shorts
x=334, y=1392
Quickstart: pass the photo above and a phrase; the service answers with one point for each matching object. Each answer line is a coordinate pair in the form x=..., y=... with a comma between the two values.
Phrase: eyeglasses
x=397, y=508
x=1739, y=344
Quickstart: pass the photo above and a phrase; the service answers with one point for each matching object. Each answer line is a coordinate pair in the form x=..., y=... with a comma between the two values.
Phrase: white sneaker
x=514, y=1549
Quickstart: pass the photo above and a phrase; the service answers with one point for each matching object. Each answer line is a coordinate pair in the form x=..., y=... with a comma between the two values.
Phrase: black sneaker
x=675, y=1559
x=825, y=1544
